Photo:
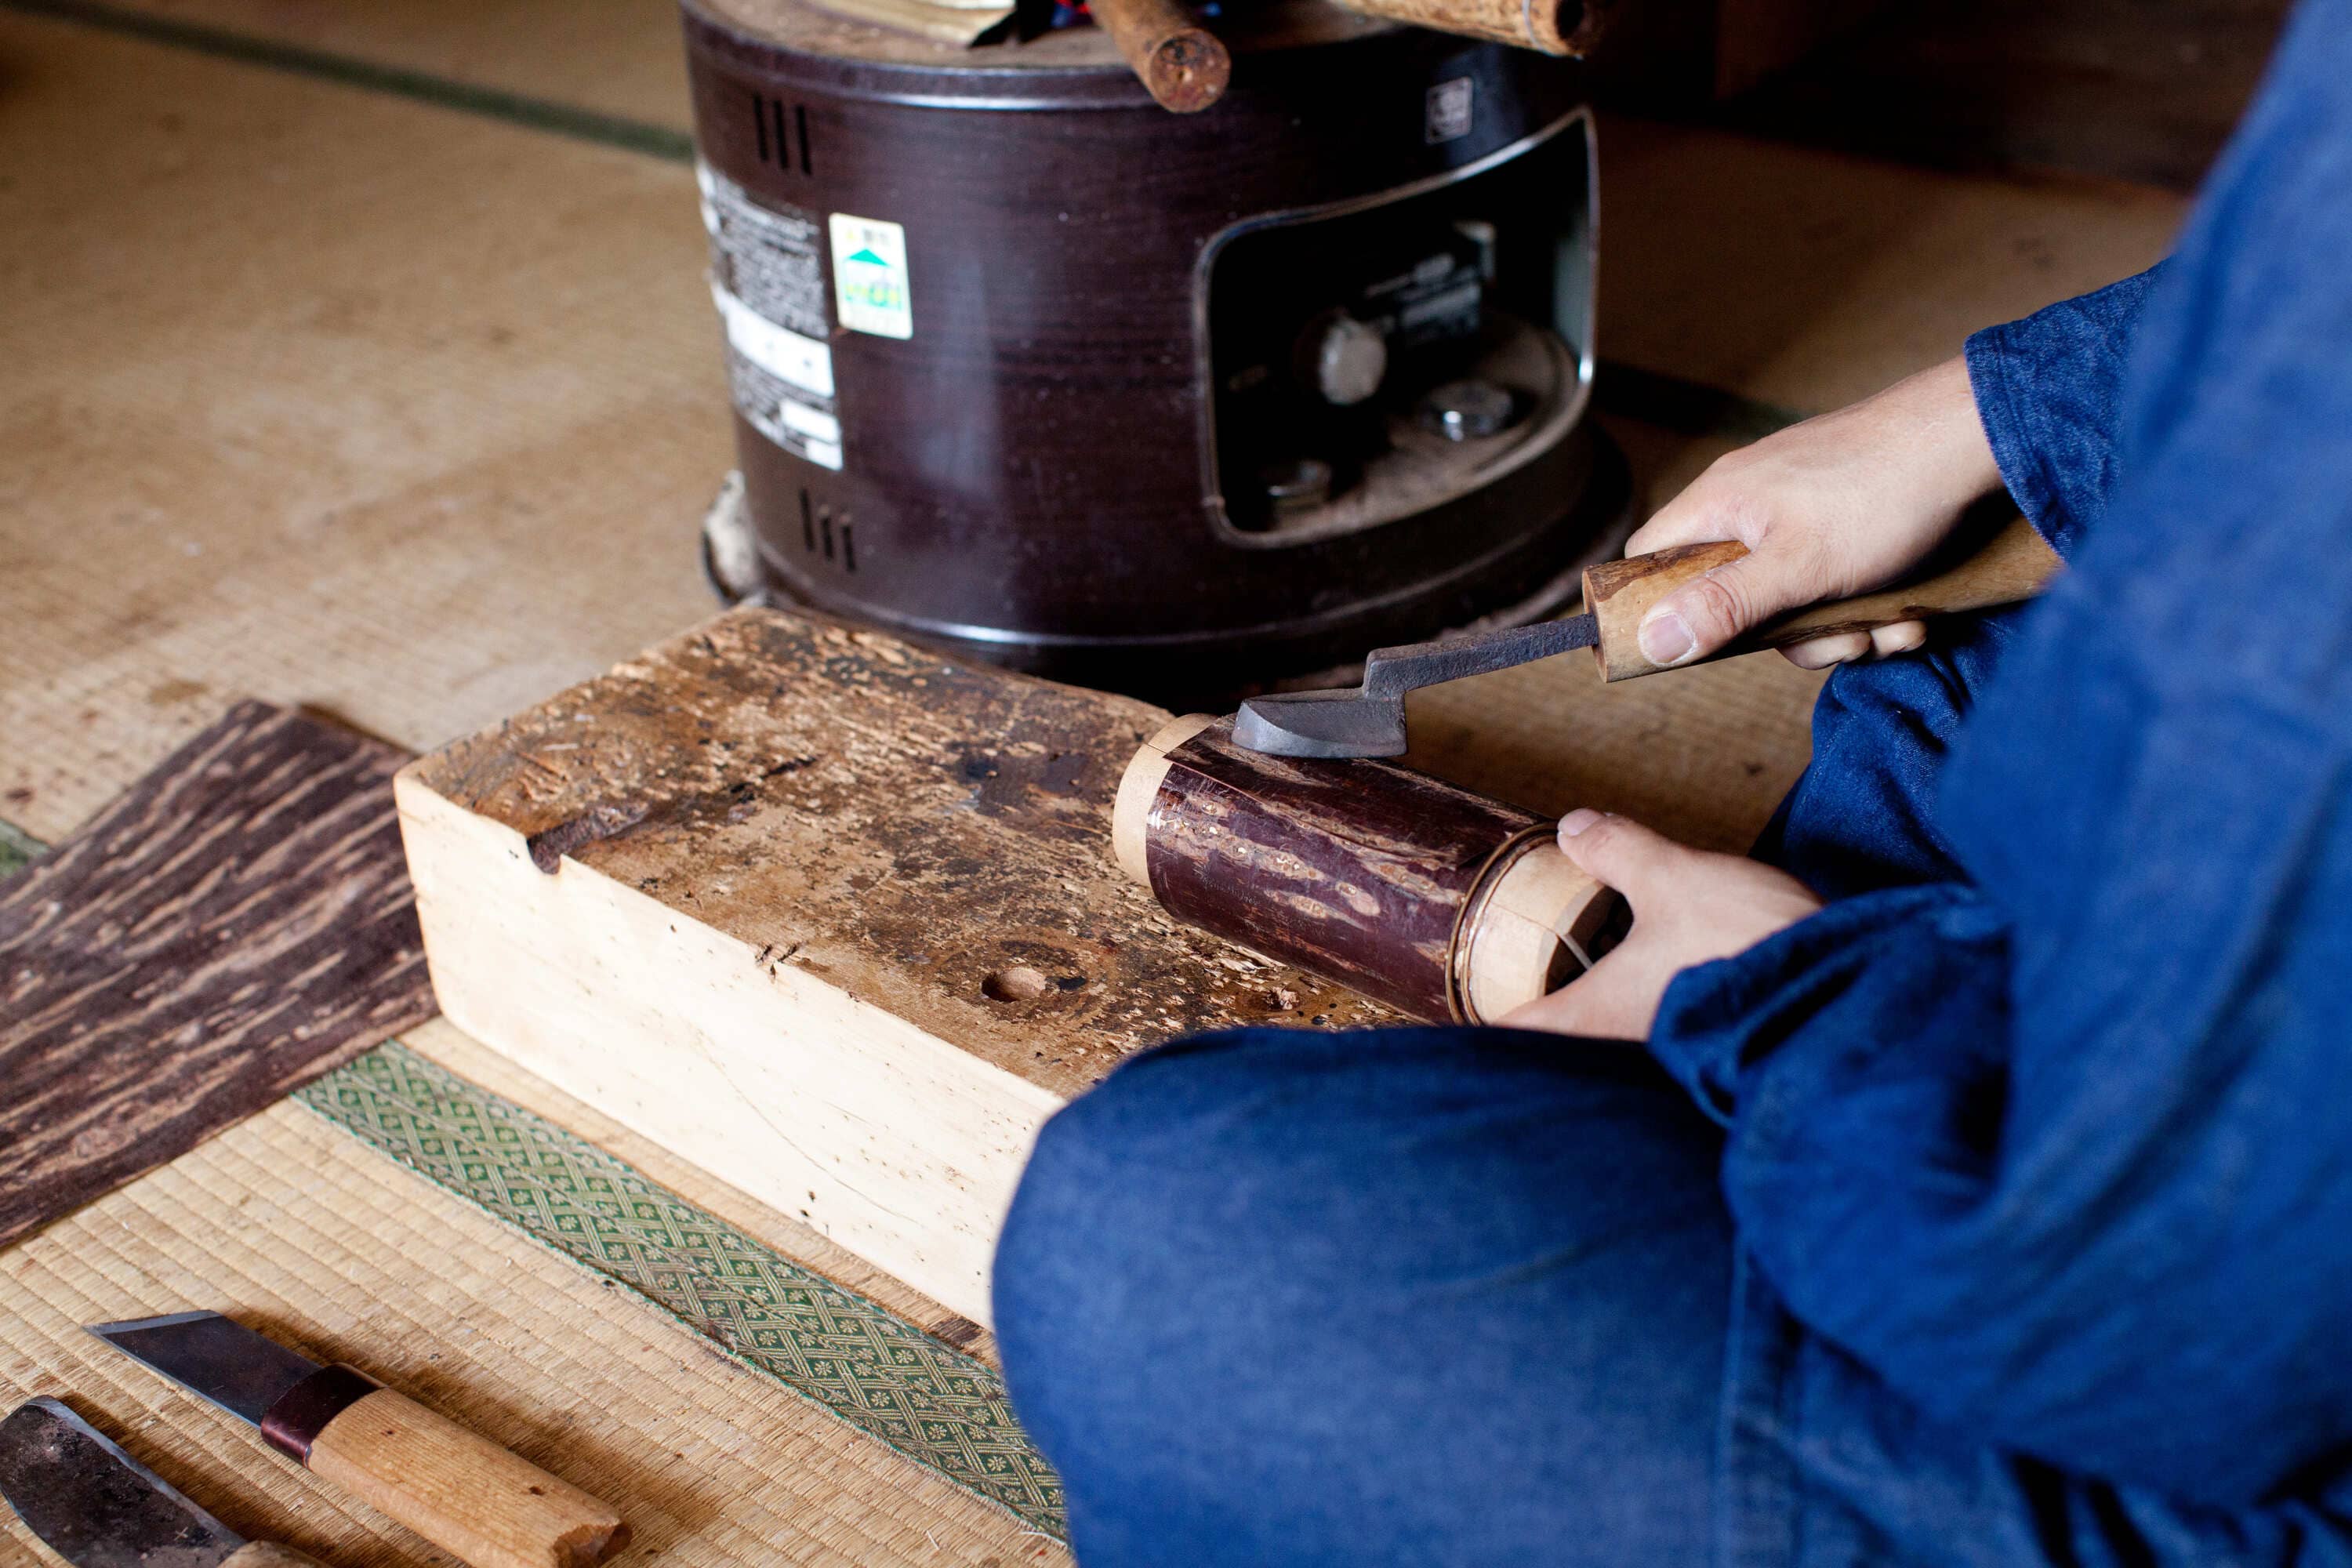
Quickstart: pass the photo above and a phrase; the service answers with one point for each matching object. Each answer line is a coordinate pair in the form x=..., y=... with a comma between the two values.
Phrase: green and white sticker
x=869, y=276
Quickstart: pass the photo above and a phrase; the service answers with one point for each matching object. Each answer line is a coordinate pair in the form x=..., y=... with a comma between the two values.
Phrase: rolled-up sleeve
x=2048, y=389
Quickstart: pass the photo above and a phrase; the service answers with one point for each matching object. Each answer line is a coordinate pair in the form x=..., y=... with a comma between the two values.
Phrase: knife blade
x=97, y=1507
x=459, y=1489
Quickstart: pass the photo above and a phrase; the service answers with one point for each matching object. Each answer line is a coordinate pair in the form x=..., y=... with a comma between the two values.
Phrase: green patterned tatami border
x=843, y=1351
x=17, y=848
x=837, y=1349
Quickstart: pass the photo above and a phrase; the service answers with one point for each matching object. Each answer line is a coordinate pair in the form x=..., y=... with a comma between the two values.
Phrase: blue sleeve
x=2062, y=1147
x=2048, y=389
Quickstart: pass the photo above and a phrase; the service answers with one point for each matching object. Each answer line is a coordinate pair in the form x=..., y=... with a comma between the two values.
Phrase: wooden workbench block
x=831, y=917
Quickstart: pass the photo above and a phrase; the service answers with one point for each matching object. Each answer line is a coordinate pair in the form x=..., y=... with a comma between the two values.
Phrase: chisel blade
x=96, y=1506
x=1368, y=720
x=242, y=1371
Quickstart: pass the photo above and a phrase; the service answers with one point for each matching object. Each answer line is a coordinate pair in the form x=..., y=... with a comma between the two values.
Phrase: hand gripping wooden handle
x=2013, y=565
x=1179, y=62
x=268, y=1554
x=460, y=1490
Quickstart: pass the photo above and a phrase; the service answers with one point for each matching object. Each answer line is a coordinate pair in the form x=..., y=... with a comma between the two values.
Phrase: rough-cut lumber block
x=234, y=926
x=833, y=918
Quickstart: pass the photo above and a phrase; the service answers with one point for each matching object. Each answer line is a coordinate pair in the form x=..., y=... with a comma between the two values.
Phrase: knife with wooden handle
x=2014, y=565
x=457, y=1489
x=1368, y=720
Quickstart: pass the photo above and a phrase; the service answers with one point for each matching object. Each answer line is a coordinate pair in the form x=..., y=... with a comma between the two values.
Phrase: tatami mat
x=324, y=396
x=618, y=58
x=294, y=1225
x=357, y=397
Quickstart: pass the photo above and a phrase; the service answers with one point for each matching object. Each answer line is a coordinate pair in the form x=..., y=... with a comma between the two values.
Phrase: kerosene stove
x=1028, y=367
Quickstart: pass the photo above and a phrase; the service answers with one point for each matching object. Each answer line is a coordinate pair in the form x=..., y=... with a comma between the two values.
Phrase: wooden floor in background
x=2139, y=89
x=361, y=357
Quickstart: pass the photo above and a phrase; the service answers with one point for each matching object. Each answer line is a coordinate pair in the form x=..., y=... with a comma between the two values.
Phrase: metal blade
x=1322, y=724
x=96, y=1506
x=1369, y=720
x=226, y=1362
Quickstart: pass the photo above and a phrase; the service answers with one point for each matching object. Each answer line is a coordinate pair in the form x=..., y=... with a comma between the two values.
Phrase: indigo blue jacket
x=2046, y=1120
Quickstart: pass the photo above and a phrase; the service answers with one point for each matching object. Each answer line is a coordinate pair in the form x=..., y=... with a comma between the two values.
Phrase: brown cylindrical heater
x=1028, y=367
x=1445, y=904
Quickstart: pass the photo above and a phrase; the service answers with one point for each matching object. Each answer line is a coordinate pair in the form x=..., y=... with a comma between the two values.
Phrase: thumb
x=1621, y=853
x=1702, y=615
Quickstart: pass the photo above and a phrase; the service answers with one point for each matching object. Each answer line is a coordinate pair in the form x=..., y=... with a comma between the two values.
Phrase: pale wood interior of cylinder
x=1139, y=787
x=1533, y=933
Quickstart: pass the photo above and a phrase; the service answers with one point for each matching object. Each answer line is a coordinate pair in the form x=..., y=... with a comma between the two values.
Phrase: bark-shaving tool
x=457, y=1489
x=1368, y=720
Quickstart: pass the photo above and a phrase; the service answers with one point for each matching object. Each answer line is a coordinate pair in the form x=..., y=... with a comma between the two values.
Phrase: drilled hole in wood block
x=1018, y=983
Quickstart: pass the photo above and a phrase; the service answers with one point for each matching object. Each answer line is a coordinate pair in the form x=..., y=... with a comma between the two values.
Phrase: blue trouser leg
x=1418, y=1296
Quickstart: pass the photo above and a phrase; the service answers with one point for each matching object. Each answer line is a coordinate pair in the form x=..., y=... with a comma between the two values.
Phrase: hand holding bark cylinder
x=1445, y=904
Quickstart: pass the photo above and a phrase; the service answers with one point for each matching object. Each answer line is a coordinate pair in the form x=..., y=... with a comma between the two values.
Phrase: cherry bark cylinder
x=1446, y=905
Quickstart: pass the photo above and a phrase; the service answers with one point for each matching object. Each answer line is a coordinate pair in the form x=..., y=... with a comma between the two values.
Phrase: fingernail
x=1577, y=821
x=1663, y=637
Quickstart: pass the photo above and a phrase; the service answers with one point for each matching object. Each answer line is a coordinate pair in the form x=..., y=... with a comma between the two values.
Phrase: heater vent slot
x=827, y=536
x=780, y=132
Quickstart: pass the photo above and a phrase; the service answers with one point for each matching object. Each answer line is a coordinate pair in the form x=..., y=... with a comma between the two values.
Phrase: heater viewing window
x=1370, y=359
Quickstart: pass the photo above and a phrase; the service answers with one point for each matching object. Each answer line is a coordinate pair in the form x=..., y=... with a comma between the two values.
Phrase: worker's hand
x=1689, y=907
x=1834, y=507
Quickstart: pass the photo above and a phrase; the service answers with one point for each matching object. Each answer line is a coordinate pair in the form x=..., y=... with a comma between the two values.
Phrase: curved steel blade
x=1322, y=724
x=1369, y=720
x=96, y=1506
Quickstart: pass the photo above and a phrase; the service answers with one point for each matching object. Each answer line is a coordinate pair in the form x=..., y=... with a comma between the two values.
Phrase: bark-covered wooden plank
x=236, y=924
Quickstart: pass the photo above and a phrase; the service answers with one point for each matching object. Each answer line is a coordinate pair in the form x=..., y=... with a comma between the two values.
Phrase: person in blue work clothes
x=1982, y=1192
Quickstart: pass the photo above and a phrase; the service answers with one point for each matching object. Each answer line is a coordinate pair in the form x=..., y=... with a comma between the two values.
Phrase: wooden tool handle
x=268, y=1554
x=2013, y=565
x=460, y=1490
x=1179, y=62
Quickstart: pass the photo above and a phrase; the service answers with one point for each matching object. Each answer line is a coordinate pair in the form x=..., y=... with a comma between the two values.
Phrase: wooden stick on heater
x=1438, y=901
x=1554, y=26
x=1179, y=62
